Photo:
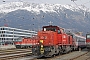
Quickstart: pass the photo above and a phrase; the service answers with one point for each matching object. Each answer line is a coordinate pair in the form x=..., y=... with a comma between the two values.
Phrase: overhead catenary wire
x=75, y=3
x=85, y=13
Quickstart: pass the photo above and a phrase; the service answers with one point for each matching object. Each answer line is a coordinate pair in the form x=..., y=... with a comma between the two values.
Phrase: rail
x=17, y=53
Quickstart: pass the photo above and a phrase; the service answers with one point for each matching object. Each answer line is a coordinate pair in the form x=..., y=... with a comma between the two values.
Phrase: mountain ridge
x=33, y=16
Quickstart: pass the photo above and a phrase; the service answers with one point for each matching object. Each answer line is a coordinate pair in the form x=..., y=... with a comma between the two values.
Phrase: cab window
x=88, y=36
x=50, y=29
x=59, y=32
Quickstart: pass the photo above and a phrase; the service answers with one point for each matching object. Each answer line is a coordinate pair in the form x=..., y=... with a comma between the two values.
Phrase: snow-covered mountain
x=34, y=16
x=9, y=7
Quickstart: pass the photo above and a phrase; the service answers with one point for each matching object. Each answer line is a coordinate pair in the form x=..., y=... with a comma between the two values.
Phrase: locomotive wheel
x=54, y=55
x=18, y=46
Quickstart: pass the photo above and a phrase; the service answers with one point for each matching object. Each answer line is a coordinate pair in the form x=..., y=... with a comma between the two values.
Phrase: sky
x=76, y=2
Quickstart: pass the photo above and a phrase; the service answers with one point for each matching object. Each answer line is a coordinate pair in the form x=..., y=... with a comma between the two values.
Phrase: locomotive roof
x=51, y=26
x=79, y=36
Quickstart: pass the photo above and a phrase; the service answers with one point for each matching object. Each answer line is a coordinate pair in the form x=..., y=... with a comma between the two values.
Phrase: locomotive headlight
x=42, y=46
x=41, y=41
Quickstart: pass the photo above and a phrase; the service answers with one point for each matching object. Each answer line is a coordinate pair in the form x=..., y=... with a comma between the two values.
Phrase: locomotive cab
x=53, y=28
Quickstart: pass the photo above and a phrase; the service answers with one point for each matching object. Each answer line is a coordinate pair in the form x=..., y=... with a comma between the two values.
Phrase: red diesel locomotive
x=53, y=40
x=88, y=41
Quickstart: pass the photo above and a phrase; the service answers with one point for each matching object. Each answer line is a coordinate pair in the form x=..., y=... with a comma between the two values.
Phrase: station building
x=8, y=34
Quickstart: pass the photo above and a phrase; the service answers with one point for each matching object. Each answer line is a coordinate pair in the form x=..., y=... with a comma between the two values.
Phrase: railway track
x=69, y=56
x=19, y=54
x=76, y=55
x=85, y=56
x=14, y=53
